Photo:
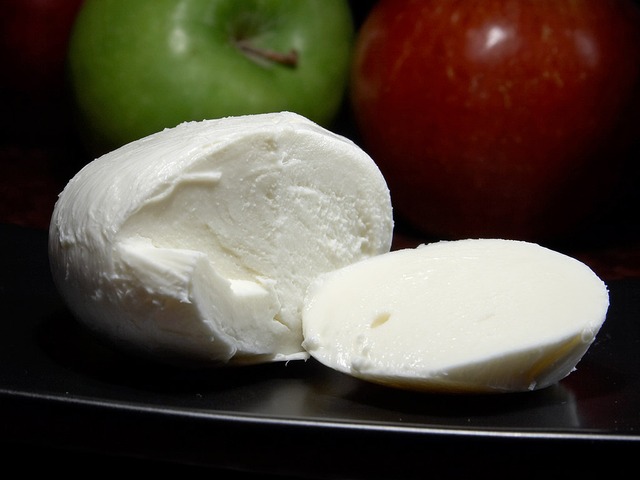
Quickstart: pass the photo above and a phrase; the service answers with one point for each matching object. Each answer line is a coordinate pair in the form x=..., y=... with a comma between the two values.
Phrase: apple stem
x=289, y=59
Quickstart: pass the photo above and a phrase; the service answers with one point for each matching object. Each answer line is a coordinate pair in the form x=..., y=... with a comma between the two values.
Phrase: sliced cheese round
x=198, y=243
x=478, y=315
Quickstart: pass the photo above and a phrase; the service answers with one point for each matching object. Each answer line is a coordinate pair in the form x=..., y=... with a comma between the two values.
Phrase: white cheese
x=482, y=315
x=198, y=243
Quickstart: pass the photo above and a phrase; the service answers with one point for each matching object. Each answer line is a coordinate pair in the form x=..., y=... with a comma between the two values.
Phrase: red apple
x=502, y=118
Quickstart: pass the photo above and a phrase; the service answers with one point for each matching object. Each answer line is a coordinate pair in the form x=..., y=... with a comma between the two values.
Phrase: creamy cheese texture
x=478, y=315
x=198, y=243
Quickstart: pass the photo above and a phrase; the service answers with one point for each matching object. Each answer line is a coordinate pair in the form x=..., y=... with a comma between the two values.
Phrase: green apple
x=138, y=67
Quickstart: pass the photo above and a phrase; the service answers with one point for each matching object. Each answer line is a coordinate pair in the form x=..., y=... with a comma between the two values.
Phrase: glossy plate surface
x=62, y=389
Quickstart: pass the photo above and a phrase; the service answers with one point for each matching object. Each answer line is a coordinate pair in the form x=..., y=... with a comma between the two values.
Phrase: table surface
x=62, y=389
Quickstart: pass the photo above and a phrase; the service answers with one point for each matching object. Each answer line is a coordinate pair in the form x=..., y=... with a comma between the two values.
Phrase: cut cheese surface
x=478, y=315
x=198, y=242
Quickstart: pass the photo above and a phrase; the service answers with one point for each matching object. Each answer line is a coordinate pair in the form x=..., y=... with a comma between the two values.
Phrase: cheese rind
x=478, y=315
x=197, y=243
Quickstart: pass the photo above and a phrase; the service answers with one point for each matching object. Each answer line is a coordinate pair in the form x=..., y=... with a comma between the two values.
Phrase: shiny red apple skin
x=498, y=118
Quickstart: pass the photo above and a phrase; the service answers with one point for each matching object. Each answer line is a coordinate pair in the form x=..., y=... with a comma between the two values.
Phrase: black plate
x=65, y=395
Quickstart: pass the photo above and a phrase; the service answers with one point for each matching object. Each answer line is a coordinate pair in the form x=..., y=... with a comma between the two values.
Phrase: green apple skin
x=138, y=67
